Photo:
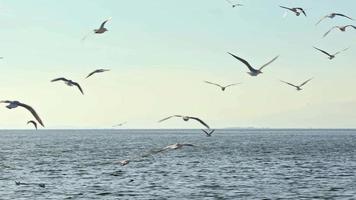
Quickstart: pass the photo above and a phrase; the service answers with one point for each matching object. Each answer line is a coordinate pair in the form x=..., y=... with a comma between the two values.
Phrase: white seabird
x=333, y=15
x=331, y=56
x=69, y=83
x=187, y=118
x=15, y=104
x=298, y=87
x=297, y=11
x=221, y=87
x=97, y=71
x=341, y=28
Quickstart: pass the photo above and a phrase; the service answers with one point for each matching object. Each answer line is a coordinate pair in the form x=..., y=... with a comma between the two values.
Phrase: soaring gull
x=253, y=71
x=341, y=28
x=100, y=30
x=15, y=104
x=297, y=11
x=69, y=83
x=121, y=124
x=298, y=87
x=187, y=118
x=220, y=86
x=97, y=71
x=333, y=15
x=331, y=56
x=33, y=123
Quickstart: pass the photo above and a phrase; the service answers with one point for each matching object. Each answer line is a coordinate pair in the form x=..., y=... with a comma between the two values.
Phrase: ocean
x=232, y=164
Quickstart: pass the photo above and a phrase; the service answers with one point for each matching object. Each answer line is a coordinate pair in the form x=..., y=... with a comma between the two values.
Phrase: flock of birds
x=253, y=71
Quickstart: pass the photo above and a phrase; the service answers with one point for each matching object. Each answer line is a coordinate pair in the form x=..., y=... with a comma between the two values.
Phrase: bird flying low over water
x=187, y=118
x=297, y=11
x=331, y=56
x=33, y=123
x=15, y=104
x=298, y=87
x=97, y=71
x=208, y=133
x=234, y=5
x=121, y=124
x=69, y=83
x=253, y=71
x=341, y=28
x=222, y=87
x=333, y=15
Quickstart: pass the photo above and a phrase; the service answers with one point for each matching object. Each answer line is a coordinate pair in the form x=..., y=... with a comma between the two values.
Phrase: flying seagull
x=69, y=83
x=253, y=71
x=208, y=133
x=234, y=4
x=187, y=118
x=100, y=30
x=297, y=11
x=15, y=104
x=97, y=71
x=331, y=56
x=121, y=124
x=298, y=87
x=341, y=28
x=32, y=122
x=222, y=87
x=331, y=16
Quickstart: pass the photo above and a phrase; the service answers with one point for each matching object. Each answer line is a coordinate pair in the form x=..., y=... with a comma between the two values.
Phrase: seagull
x=297, y=11
x=333, y=15
x=186, y=118
x=121, y=124
x=234, y=4
x=97, y=71
x=69, y=83
x=32, y=122
x=177, y=146
x=253, y=71
x=124, y=162
x=222, y=87
x=341, y=28
x=208, y=134
x=100, y=30
x=331, y=56
x=298, y=87
x=15, y=104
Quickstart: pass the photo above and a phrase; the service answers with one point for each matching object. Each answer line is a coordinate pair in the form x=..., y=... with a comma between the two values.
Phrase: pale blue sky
x=161, y=51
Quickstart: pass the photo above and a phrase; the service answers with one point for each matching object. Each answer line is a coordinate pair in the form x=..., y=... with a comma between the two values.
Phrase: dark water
x=233, y=164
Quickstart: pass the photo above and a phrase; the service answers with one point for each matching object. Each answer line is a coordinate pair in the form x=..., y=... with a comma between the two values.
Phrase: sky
x=160, y=52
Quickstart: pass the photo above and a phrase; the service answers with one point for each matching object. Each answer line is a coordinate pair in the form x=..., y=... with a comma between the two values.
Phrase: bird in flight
x=341, y=28
x=208, y=133
x=253, y=71
x=333, y=15
x=297, y=11
x=187, y=118
x=234, y=5
x=298, y=87
x=33, y=123
x=121, y=124
x=331, y=56
x=69, y=83
x=222, y=87
x=100, y=30
x=97, y=71
x=15, y=104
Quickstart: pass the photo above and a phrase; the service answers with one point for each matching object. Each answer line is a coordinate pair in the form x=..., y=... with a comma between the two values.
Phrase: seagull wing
x=265, y=65
x=287, y=8
x=33, y=122
x=80, y=88
x=33, y=112
x=342, y=15
x=232, y=85
x=302, y=10
x=96, y=71
x=103, y=24
x=169, y=118
x=243, y=61
x=213, y=84
x=289, y=84
x=322, y=51
x=350, y=26
x=306, y=82
x=60, y=79
x=341, y=51
x=327, y=33
x=321, y=20
x=201, y=121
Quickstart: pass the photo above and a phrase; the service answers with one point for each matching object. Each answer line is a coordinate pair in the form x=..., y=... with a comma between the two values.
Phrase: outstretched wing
x=321, y=20
x=306, y=82
x=59, y=79
x=327, y=33
x=232, y=85
x=33, y=122
x=201, y=121
x=265, y=65
x=286, y=8
x=322, y=51
x=33, y=112
x=350, y=26
x=169, y=117
x=342, y=15
x=289, y=84
x=80, y=88
x=342, y=51
x=91, y=73
x=213, y=83
x=103, y=24
x=243, y=61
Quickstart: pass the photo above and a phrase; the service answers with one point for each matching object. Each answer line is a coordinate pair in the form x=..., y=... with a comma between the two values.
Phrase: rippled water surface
x=232, y=164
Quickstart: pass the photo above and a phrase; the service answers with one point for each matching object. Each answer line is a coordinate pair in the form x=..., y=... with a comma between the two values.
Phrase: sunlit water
x=232, y=164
